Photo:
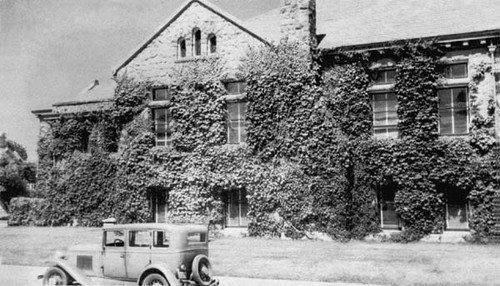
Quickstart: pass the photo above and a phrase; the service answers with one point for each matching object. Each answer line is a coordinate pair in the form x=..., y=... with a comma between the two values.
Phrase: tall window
x=385, y=117
x=182, y=47
x=163, y=126
x=196, y=42
x=236, y=122
x=212, y=44
x=453, y=111
x=384, y=76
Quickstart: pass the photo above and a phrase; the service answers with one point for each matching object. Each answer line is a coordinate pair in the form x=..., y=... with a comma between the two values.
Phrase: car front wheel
x=55, y=276
x=155, y=279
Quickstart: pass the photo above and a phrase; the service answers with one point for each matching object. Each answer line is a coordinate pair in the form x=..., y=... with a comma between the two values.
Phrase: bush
x=27, y=211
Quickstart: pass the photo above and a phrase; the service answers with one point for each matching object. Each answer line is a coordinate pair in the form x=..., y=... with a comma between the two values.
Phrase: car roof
x=158, y=226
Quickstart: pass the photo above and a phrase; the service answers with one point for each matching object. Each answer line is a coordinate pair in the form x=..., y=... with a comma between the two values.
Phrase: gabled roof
x=205, y=3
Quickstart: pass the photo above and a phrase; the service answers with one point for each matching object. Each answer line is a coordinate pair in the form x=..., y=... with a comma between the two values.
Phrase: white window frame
x=387, y=126
x=241, y=107
x=452, y=109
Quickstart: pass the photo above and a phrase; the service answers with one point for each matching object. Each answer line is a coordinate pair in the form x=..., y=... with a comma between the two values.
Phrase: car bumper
x=214, y=282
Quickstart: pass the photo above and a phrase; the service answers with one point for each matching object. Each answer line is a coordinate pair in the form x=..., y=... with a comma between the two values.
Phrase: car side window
x=196, y=237
x=114, y=238
x=139, y=238
x=161, y=239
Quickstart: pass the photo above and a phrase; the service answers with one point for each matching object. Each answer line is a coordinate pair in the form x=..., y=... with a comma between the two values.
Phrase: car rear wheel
x=55, y=276
x=155, y=279
x=202, y=270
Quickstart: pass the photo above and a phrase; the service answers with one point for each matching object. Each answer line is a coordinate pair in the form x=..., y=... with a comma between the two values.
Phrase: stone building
x=468, y=32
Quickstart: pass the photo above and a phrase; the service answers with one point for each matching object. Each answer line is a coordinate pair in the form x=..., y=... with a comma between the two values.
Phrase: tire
x=155, y=279
x=55, y=276
x=202, y=270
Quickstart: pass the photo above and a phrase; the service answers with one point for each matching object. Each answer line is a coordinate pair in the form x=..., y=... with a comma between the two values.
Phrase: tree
x=15, y=172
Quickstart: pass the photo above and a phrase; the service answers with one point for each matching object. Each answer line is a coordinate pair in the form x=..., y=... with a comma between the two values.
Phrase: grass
x=362, y=262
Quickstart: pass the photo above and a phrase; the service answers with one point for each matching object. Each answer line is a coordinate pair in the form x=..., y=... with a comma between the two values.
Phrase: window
x=453, y=111
x=236, y=122
x=162, y=94
x=139, y=239
x=114, y=238
x=197, y=237
x=236, y=87
x=384, y=76
x=458, y=70
x=388, y=216
x=182, y=47
x=212, y=44
x=161, y=239
x=163, y=126
x=385, y=117
x=197, y=42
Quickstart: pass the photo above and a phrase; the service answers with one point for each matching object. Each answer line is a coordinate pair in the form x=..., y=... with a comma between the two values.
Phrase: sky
x=50, y=50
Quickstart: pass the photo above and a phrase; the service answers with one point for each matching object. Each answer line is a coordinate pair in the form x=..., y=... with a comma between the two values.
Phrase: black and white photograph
x=250, y=142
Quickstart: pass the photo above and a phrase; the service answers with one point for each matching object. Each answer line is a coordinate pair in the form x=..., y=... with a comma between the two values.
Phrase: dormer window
x=212, y=44
x=181, y=43
x=196, y=42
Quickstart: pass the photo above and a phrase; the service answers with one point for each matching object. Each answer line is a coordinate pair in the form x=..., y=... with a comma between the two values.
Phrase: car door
x=113, y=257
x=138, y=252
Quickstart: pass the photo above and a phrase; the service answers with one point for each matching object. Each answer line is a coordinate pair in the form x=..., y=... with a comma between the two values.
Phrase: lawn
x=363, y=262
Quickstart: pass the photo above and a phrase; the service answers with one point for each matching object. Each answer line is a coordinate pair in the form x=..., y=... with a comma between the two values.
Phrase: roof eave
x=442, y=39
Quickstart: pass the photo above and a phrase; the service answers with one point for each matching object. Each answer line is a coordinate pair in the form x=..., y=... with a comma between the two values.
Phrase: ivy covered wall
x=310, y=163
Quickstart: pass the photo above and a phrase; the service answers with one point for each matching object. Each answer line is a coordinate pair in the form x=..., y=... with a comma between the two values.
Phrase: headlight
x=181, y=272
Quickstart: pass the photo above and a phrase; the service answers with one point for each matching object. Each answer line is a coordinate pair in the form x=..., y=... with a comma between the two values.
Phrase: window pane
x=392, y=118
x=233, y=110
x=380, y=119
x=197, y=42
x=232, y=88
x=233, y=131
x=389, y=75
x=460, y=118
x=183, y=48
x=196, y=237
x=456, y=71
x=445, y=121
x=243, y=131
x=213, y=44
x=161, y=239
x=460, y=97
x=139, y=238
x=160, y=94
x=444, y=98
x=379, y=102
x=243, y=110
x=242, y=86
x=115, y=238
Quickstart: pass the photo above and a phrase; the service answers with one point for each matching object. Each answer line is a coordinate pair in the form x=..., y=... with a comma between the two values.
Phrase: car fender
x=163, y=269
x=76, y=274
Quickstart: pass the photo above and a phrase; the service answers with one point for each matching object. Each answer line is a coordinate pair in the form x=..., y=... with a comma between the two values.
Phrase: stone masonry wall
x=156, y=61
x=298, y=21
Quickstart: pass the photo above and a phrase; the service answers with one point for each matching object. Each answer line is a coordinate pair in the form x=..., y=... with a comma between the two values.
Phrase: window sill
x=159, y=103
x=196, y=58
x=381, y=87
x=235, y=97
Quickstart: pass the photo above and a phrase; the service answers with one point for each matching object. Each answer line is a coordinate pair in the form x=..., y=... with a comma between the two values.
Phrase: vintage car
x=146, y=254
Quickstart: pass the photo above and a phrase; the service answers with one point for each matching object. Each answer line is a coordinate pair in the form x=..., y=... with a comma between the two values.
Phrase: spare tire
x=202, y=270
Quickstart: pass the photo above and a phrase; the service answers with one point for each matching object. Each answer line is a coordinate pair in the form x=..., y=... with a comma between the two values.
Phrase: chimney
x=298, y=21
x=3, y=141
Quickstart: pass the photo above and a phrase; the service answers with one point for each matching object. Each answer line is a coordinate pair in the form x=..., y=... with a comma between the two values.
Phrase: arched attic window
x=181, y=46
x=196, y=42
x=212, y=44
